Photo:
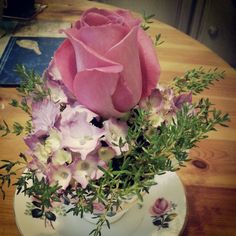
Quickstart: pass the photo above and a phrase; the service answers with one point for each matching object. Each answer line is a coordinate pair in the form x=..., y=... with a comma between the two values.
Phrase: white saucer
x=136, y=222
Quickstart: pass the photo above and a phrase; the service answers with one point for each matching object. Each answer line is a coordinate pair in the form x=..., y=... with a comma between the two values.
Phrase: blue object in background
x=14, y=54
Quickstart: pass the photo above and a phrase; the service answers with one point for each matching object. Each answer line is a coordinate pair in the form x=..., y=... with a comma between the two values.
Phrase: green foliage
x=196, y=80
x=152, y=151
x=44, y=194
x=8, y=166
x=23, y=105
x=147, y=20
x=5, y=128
x=17, y=128
x=146, y=25
x=158, y=40
x=32, y=85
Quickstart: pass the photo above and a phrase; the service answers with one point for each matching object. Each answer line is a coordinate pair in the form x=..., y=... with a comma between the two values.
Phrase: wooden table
x=210, y=178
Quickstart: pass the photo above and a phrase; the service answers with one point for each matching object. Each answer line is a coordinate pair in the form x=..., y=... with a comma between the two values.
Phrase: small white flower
x=41, y=153
x=116, y=131
x=53, y=142
x=60, y=157
x=61, y=175
x=79, y=135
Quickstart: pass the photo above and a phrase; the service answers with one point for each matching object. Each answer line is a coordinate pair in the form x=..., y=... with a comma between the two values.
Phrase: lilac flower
x=160, y=105
x=37, y=166
x=31, y=141
x=52, y=72
x=154, y=102
x=72, y=110
x=59, y=174
x=41, y=153
x=58, y=93
x=78, y=134
x=44, y=115
x=106, y=153
x=60, y=157
x=116, y=131
x=53, y=141
x=181, y=99
x=84, y=170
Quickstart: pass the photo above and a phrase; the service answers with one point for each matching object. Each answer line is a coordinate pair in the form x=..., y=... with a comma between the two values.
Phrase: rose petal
x=123, y=98
x=95, y=16
x=149, y=63
x=87, y=58
x=95, y=19
x=106, y=36
x=64, y=59
x=94, y=89
x=128, y=19
x=126, y=53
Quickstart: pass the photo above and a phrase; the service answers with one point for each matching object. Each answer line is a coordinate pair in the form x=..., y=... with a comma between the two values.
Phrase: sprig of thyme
x=22, y=105
x=146, y=25
x=147, y=20
x=32, y=85
x=5, y=128
x=9, y=167
x=196, y=80
x=16, y=128
x=158, y=40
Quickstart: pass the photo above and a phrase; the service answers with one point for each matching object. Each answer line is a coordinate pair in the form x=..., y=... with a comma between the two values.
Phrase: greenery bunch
x=152, y=151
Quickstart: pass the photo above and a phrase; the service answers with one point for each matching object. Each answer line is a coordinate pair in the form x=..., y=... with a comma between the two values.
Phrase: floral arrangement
x=100, y=126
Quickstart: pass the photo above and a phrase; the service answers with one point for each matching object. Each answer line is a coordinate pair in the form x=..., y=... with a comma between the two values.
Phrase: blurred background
x=212, y=22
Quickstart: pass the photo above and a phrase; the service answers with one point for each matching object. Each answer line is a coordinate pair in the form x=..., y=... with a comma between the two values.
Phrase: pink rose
x=160, y=207
x=108, y=62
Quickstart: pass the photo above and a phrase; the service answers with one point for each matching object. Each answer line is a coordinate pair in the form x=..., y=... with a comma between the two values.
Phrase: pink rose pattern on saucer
x=162, y=212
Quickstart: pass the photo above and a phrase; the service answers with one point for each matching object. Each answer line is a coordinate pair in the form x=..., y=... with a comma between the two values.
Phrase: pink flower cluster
x=66, y=146
x=69, y=142
x=162, y=105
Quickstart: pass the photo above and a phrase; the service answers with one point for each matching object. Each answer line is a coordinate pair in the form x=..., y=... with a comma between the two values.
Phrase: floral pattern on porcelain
x=162, y=212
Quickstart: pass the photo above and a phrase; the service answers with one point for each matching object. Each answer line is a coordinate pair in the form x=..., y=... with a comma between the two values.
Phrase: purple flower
x=78, y=134
x=59, y=174
x=43, y=147
x=153, y=102
x=44, y=115
x=116, y=130
x=31, y=141
x=53, y=81
x=182, y=99
x=84, y=170
x=160, y=207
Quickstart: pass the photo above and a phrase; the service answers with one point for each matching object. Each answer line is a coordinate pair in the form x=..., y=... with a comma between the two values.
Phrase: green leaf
x=108, y=224
x=196, y=80
x=139, y=195
x=4, y=127
x=50, y=216
x=170, y=217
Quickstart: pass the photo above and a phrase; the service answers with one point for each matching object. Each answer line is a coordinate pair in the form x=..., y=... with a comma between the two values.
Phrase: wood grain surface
x=210, y=176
